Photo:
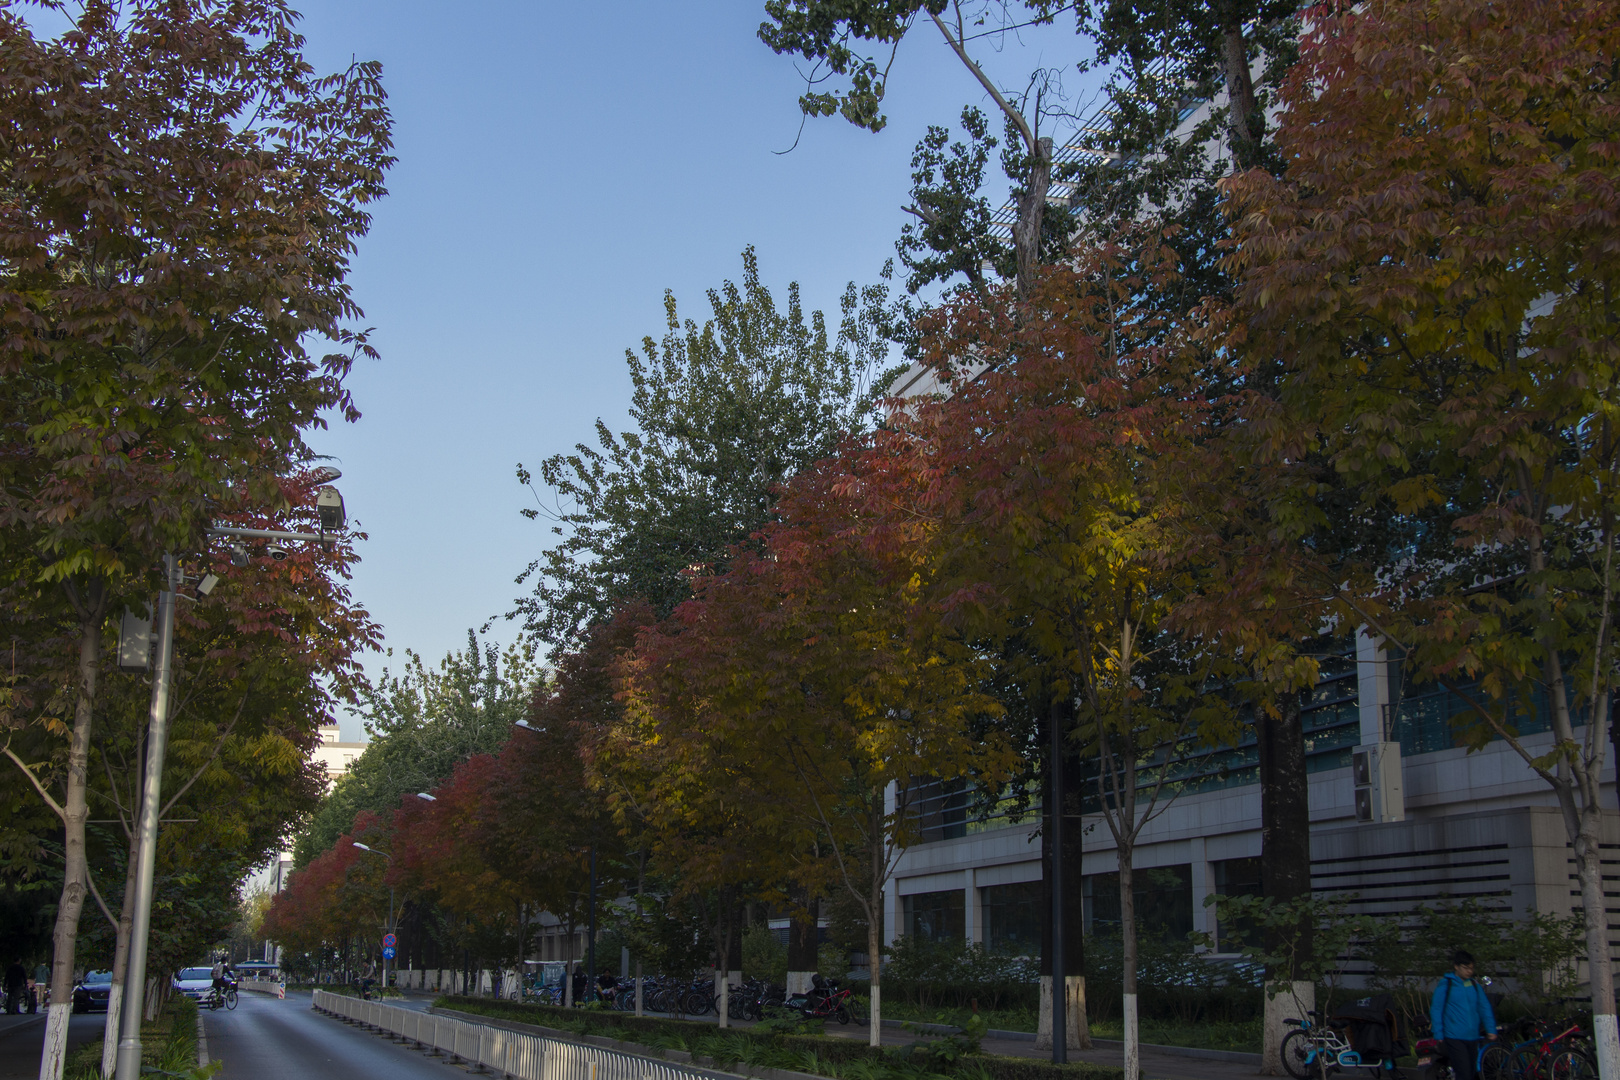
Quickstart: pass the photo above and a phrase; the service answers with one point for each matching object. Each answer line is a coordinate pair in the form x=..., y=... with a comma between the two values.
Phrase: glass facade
x=1234, y=877
x=952, y=809
x=1012, y=918
x=1163, y=897
x=935, y=916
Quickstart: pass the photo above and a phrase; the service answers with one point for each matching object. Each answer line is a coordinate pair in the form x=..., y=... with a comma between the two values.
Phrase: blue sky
x=560, y=166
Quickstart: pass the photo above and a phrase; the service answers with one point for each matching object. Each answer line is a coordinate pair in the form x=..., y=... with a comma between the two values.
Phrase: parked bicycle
x=1557, y=1051
x=826, y=1001
x=1318, y=1047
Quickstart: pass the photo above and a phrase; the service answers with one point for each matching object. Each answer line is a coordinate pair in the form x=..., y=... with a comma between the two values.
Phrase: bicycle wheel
x=1571, y=1065
x=1494, y=1062
x=230, y=998
x=842, y=1015
x=1525, y=1064
x=1296, y=1050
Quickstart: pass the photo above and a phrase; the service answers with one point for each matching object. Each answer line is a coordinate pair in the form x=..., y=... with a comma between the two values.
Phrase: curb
x=202, y=1044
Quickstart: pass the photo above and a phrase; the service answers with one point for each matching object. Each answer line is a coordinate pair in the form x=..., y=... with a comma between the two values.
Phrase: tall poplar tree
x=723, y=412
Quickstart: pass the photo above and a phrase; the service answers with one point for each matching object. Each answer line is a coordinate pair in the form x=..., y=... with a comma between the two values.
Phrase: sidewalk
x=1156, y=1065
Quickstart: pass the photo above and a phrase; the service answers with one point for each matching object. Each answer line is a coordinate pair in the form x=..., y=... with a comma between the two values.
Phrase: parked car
x=194, y=982
x=90, y=992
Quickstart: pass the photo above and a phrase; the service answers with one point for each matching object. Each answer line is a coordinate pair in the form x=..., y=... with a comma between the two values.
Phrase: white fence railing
x=506, y=1053
x=273, y=987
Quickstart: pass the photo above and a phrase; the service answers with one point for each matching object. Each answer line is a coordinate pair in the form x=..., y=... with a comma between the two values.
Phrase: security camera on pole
x=330, y=506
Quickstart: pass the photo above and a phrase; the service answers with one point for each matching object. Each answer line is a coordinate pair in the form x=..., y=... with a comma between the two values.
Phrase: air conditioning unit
x=1375, y=771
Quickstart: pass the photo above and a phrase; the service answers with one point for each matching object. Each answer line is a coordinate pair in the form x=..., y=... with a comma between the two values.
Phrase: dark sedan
x=90, y=993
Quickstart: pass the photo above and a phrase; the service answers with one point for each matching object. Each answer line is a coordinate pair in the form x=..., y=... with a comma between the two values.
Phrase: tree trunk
x=1285, y=850
x=874, y=947
x=1077, y=1029
x=1127, y=935
x=120, y=968
x=1243, y=113
x=801, y=960
x=1031, y=214
x=1589, y=870
x=75, y=878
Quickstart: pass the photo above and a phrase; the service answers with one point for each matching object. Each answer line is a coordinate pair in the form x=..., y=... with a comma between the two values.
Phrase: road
x=267, y=1039
x=23, y=1036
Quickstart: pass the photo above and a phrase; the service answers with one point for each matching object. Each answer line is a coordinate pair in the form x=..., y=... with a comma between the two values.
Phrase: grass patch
x=1016, y=1019
x=821, y=1055
x=1242, y=1036
x=168, y=1044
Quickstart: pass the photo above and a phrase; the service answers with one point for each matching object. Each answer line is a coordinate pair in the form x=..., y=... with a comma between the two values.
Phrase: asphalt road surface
x=267, y=1039
x=22, y=1037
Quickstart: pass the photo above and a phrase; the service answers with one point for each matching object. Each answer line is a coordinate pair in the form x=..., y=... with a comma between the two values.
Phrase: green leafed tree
x=723, y=412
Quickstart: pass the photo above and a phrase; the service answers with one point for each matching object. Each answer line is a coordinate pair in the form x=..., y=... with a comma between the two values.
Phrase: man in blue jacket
x=1460, y=1014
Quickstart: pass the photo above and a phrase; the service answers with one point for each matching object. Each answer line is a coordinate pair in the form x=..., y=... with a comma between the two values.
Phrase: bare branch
x=32, y=779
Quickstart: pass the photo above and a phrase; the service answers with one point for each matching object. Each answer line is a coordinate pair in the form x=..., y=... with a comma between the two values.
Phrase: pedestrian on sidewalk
x=16, y=980
x=37, y=988
x=1460, y=1015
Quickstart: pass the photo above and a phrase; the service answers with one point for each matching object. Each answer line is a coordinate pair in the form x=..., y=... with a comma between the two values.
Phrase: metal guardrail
x=506, y=1053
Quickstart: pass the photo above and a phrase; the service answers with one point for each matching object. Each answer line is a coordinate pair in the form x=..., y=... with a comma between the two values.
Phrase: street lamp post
x=392, y=929
x=129, y=1033
x=332, y=519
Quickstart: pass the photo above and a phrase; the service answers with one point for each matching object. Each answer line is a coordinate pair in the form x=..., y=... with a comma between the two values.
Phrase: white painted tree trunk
x=1133, y=1043
x=109, y=1037
x=1589, y=869
x=53, y=1058
x=1077, y=1030
x=1291, y=1000
x=74, y=812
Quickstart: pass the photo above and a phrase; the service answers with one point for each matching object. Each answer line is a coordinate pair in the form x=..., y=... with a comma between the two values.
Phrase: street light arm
x=266, y=534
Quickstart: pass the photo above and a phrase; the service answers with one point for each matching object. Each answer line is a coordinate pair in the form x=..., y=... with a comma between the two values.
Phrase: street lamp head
x=361, y=846
x=425, y=795
x=325, y=474
x=526, y=726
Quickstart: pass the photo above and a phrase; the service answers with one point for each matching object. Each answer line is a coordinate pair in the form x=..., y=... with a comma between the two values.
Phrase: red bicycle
x=825, y=1001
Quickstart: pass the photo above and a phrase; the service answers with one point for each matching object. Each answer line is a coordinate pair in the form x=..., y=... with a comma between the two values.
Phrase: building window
x=1163, y=903
x=935, y=916
x=1234, y=877
x=1012, y=918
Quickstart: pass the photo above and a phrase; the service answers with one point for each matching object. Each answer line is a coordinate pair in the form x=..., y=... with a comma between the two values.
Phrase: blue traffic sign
x=388, y=952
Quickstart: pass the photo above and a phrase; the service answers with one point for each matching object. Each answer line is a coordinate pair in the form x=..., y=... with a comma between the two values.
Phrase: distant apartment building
x=335, y=756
